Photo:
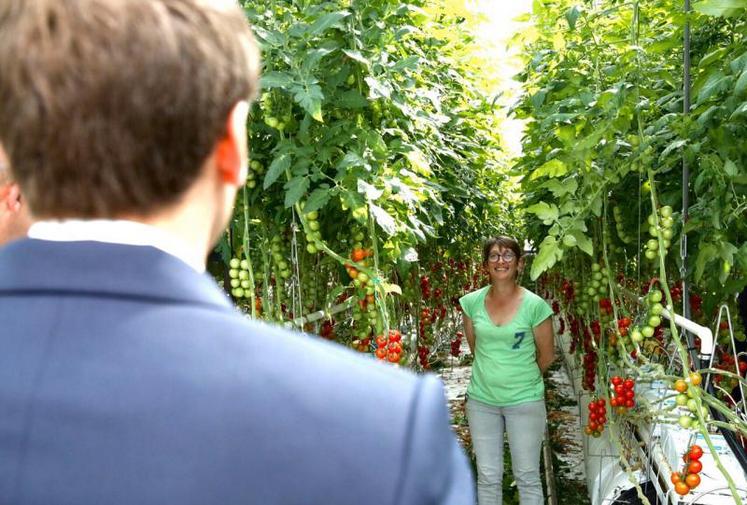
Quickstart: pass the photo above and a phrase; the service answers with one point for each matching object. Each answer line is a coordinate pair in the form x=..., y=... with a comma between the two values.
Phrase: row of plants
x=376, y=171
x=606, y=143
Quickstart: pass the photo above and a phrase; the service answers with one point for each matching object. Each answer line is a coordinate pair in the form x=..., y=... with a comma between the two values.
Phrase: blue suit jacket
x=127, y=378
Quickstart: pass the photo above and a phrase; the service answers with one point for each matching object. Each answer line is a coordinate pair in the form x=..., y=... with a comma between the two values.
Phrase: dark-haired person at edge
x=510, y=334
x=126, y=375
x=14, y=216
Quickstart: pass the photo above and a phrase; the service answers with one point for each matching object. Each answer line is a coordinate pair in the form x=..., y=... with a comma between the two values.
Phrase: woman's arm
x=469, y=332
x=545, y=343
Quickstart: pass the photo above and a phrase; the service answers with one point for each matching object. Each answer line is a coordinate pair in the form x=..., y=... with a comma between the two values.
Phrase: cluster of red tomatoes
x=389, y=347
x=624, y=397
x=597, y=417
x=590, y=369
x=689, y=478
x=605, y=306
x=423, y=357
x=456, y=344
x=327, y=330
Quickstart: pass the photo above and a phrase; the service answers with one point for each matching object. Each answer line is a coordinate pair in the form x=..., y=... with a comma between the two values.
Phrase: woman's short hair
x=112, y=106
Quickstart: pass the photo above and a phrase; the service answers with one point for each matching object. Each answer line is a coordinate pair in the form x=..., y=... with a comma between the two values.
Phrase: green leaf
x=720, y=7
x=295, y=189
x=310, y=96
x=741, y=84
x=731, y=168
x=410, y=255
x=549, y=253
x=357, y=56
x=706, y=253
x=409, y=63
x=714, y=84
x=583, y=242
x=317, y=199
x=571, y=15
x=391, y=288
x=739, y=110
x=327, y=21
x=544, y=211
x=378, y=89
x=351, y=99
x=275, y=80
x=552, y=168
x=279, y=165
x=383, y=218
x=372, y=193
x=558, y=188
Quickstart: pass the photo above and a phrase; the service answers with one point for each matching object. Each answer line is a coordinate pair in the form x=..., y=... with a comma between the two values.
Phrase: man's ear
x=10, y=197
x=231, y=156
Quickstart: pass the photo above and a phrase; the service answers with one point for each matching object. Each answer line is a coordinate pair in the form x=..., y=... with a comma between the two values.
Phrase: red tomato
x=692, y=480
x=629, y=384
x=681, y=488
x=695, y=452
x=695, y=466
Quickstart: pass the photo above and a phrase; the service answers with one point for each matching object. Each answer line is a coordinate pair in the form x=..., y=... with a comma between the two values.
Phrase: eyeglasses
x=508, y=257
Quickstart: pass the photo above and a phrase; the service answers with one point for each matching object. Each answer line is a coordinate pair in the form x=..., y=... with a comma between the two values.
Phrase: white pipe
x=705, y=334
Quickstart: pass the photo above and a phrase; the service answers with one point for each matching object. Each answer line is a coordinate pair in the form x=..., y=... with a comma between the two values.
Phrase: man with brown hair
x=14, y=216
x=126, y=377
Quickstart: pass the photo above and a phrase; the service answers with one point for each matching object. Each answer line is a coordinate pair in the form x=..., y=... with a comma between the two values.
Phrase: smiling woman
x=509, y=332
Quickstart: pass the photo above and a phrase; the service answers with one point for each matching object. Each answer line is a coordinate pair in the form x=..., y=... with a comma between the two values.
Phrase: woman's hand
x=545, y=343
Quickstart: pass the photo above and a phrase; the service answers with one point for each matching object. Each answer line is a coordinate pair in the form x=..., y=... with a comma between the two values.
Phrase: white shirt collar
x=116, y=232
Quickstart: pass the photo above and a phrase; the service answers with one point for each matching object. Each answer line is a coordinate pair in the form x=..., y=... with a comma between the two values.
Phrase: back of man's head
x=110, y=107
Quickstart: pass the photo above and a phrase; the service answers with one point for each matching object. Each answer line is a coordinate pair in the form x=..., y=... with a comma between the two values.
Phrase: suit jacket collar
x=103, y=269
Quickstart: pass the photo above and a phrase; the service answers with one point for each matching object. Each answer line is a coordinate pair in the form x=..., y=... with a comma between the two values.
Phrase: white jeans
x=525, y=425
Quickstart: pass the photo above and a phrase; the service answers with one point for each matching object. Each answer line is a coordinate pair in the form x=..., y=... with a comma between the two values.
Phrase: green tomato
x=656, y=309
x=652, y=244
x=651, y=255
x=655, y=295
x=311, y=249
x=654, y=321
x=313, y=225
x=681, y=399
x=685, y=421
x=666, y=211
x=234, y=263
x=636, y=336
x=235, y=283
x=312, y=216
x=246, y=284
x=692, y=405
x=233, y=273
x=667, y=234
x=595, y=267
x=647, y=331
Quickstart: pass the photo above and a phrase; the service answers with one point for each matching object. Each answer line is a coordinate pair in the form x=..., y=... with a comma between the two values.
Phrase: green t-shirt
x=505, y=370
